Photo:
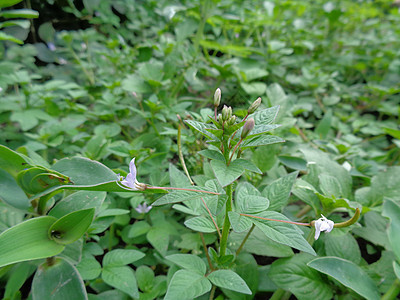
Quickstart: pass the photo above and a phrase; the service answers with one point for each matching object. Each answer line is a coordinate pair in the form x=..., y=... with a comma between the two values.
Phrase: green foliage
x=86, y=87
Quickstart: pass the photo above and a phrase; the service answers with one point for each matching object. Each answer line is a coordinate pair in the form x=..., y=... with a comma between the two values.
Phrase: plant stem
x=212, y=292
x=179, y=189
x=206, y=252
x=280, y=294
x=393, y=291
x=244, y=240
x=181, y=155
x=227, y=224
x=210, y=214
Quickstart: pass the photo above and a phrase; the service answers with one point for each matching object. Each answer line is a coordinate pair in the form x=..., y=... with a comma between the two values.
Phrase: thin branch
x=209, y=212
x=282, y=221
x=206, y=252
x=245, y=240
x=179, y=189
x=181, y=155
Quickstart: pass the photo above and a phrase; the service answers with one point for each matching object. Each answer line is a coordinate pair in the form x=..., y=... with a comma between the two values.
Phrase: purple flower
x=143, y=208
x=130, y=179
x=323, y=224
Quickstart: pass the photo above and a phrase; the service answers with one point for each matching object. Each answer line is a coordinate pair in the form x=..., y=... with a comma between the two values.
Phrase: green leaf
x=121, y=278
x=249, y=199
x=261, y=141
x=11, y=193
x=248, y=165
x=202, y=224
x=177, y=178
x=330, y=186
x=19, y=274
x=295, y=163
x=28, y=240
x=58, y=281
x=258, y=243
x=121, y=257
x=278, y=191
x=181, y=195
x=19, y=13
x=7, y=37
x=158, y=237
x=324, y=125
x=134, y=83
x=396, y=268
x=284, y=233
x=343, y=246
x=89, y=268
x=189, y=262
x=294, y=275
x=324, y=164
x=254, y=88
x=83, y=171
x=138, y=228
x=229, y=280
x=266, y=116
x=72, y=226
x=145, y=278
x=348, y=274
x=392, y=211
x=186, y=285
x=8, y=3
x=226, y=175
x=239, y=223
x=77, y=201
x=212, y=154
x=11, y=161
x=202, y=128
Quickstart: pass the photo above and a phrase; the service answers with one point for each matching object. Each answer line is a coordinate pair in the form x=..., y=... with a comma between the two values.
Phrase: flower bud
x=248, y=126
x=231, y=121
x=217, y=97
x=253, y=107
x=226, y=113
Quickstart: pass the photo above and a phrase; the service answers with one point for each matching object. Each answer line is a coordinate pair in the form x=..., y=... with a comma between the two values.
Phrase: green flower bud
x=226, y=113
x=220, y=120
x=253, y=107
x=248, y=126
x=231, y=120
x=217, y=97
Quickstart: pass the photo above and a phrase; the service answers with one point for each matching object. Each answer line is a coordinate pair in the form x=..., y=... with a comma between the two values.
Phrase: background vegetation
x=114, y=79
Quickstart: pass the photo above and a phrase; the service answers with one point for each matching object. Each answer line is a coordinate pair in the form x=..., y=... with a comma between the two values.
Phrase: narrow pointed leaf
x=28, y=240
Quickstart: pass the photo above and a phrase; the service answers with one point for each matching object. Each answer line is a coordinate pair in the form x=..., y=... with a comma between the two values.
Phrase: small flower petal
x=322, y=224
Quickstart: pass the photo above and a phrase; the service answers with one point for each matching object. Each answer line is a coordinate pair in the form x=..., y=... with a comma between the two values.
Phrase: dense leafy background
x=105, y=80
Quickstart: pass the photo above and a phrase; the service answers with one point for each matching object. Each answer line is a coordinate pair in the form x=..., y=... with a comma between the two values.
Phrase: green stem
x=203, y=19
x=227, y=224
x=393, y=291
x=179, y=141
x=244, y=240
x=280, y=294
x=212, y=293
x=206, y=252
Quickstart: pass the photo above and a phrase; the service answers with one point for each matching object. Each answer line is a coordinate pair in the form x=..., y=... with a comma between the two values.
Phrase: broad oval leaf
x=229, y=280
x=226, y=174
x=201, y=224
x=392, y=211
x=121, y=278
x=11, y=193
x=284, y=233
x=294, y=275
x=121, y=257
x=28, y=240
x=348, y=274
x=189, y=262
x=187, y=285
x=58, y=281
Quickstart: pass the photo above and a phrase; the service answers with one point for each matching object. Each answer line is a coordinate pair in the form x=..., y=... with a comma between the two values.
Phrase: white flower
x=143, y=208
x=130, y=180
x=322, y=224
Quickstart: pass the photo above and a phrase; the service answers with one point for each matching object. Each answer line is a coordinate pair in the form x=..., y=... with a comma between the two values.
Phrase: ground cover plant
x=199, y=149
